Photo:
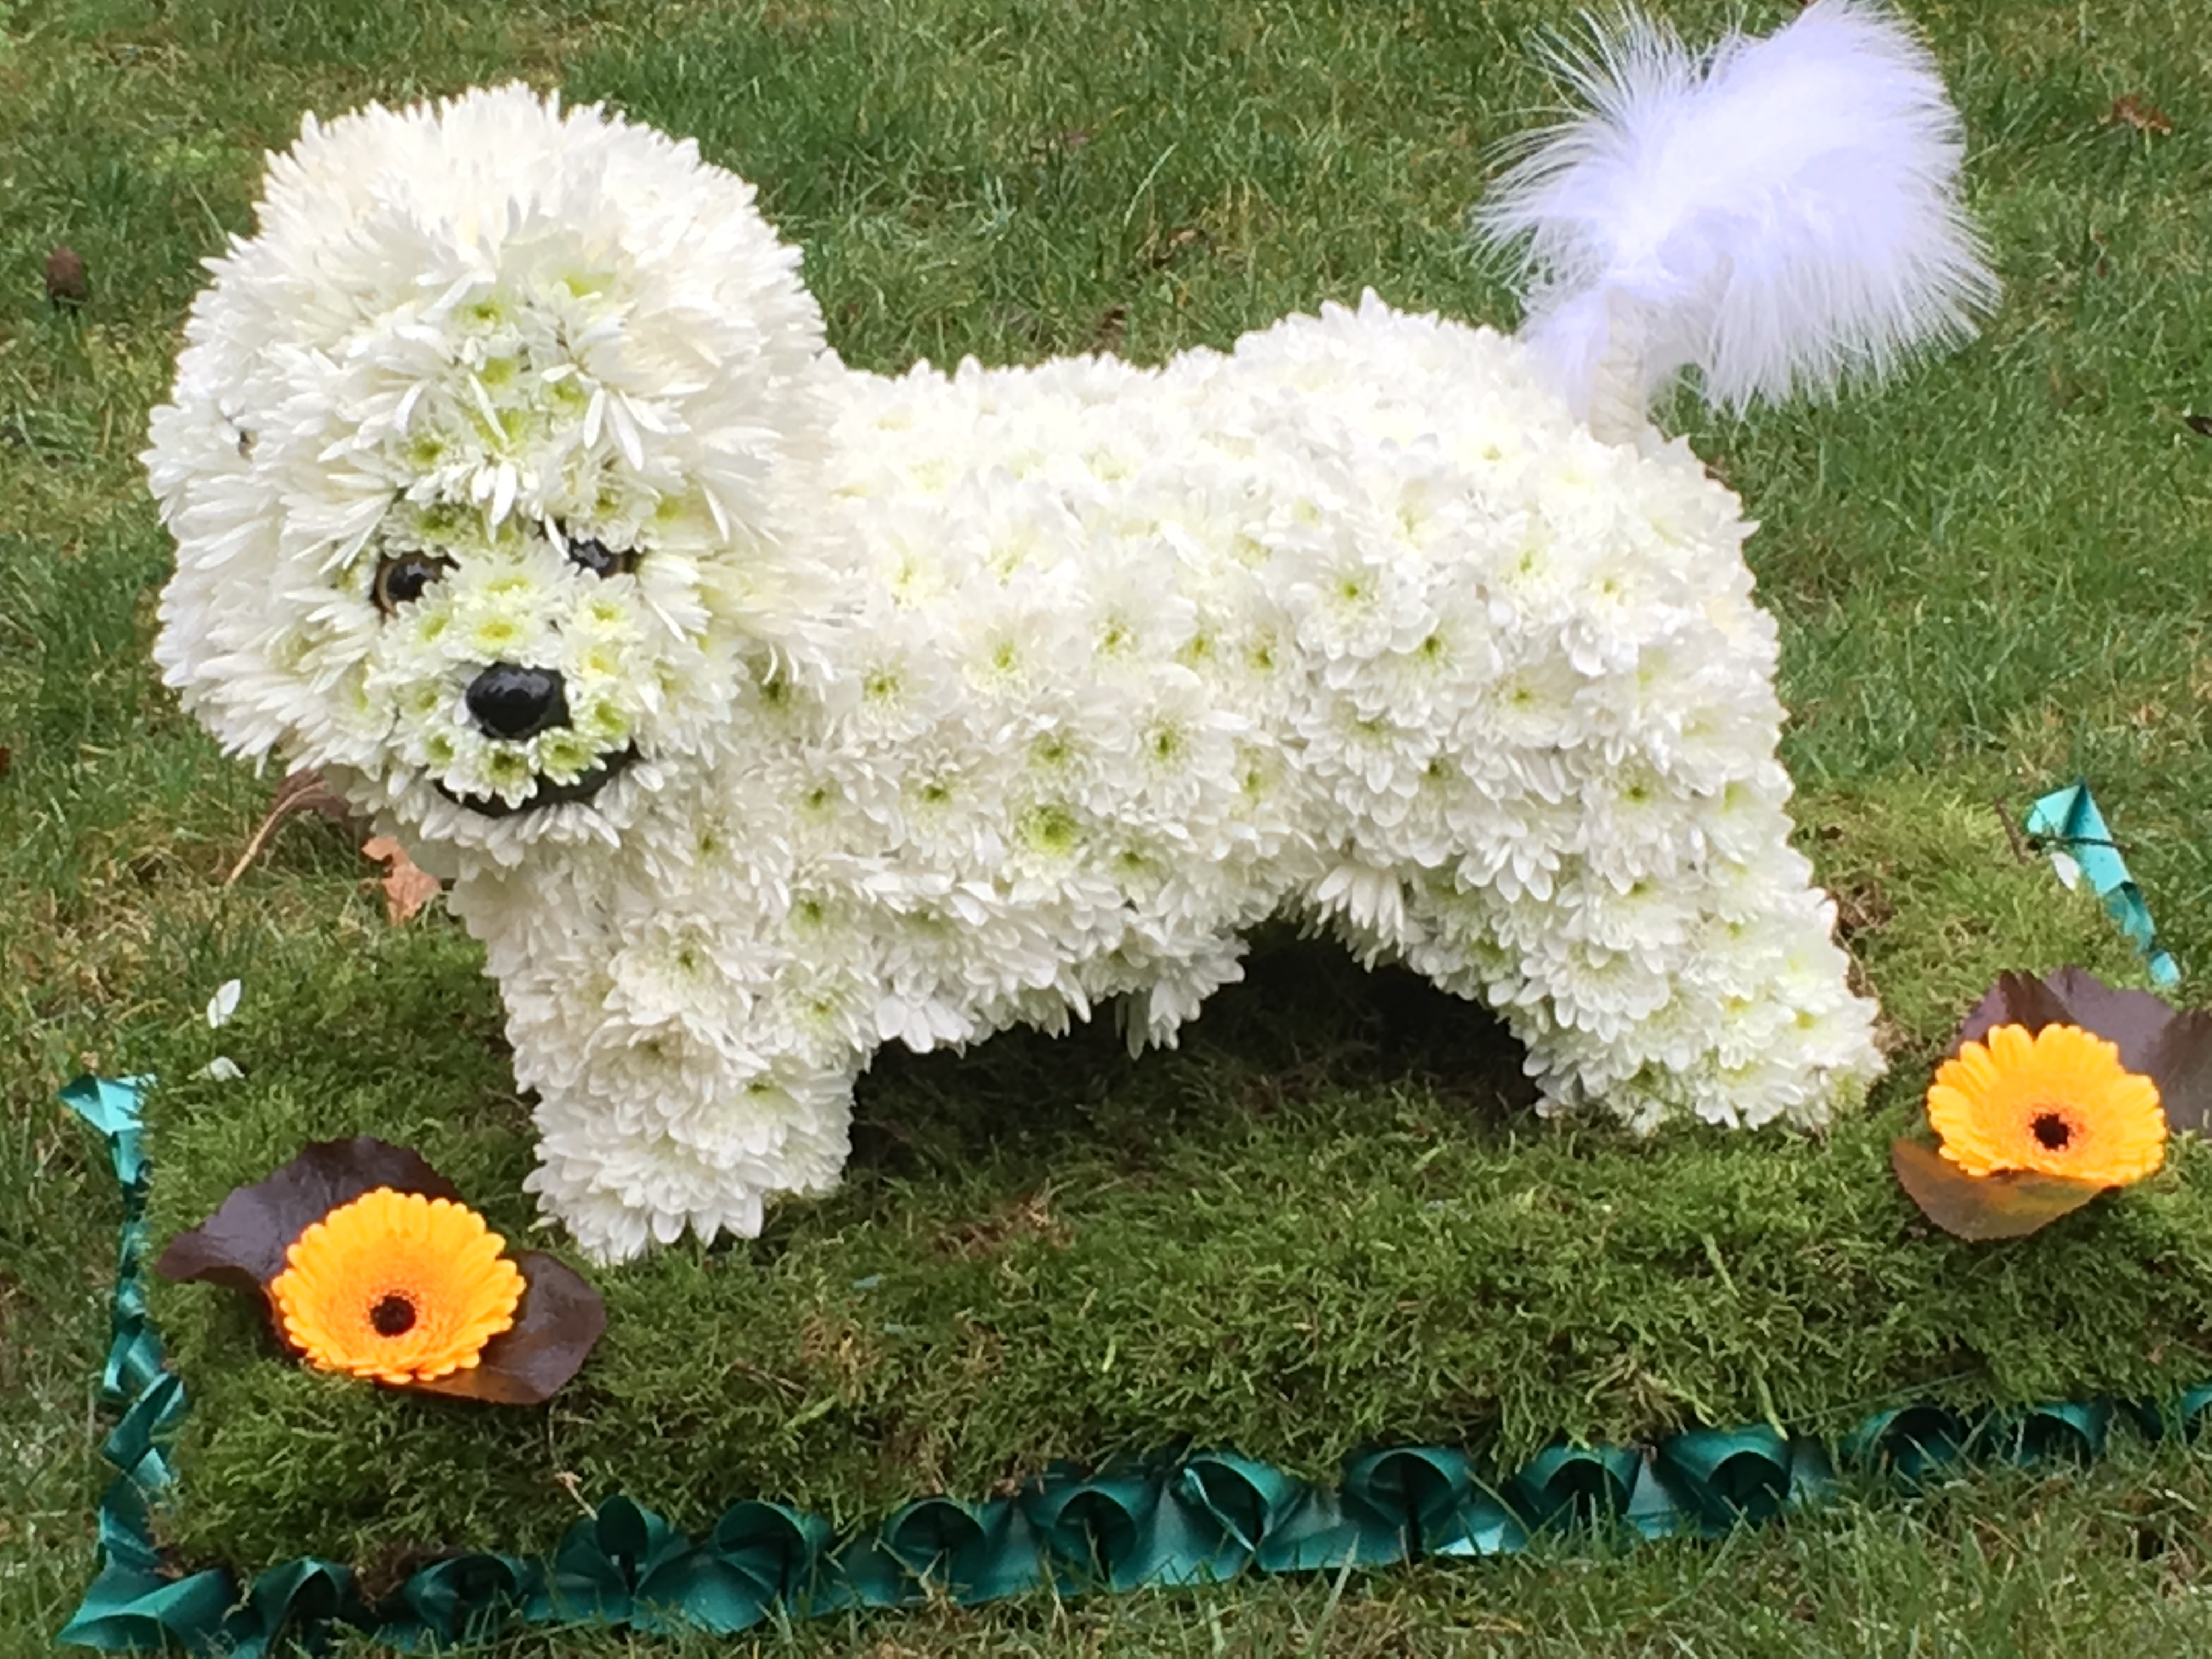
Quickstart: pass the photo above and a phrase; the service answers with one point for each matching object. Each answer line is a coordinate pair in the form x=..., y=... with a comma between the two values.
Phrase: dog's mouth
x=577, y=789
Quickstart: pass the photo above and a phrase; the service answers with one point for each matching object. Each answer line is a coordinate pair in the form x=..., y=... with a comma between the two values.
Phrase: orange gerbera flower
x=397, y=1287
x=2057, y=1102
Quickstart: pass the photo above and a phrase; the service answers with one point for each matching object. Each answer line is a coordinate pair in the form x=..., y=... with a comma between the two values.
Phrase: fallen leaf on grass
x=67, y=286
x=2131, y=111
x=1057, y=144
x=406, y=889
x=301, y=792
x=1113, y=325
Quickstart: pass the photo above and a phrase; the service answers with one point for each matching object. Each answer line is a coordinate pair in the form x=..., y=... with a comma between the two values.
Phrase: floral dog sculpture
x=763, y=711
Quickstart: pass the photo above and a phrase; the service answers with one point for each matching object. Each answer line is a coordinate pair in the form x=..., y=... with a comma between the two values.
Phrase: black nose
x=515, y=703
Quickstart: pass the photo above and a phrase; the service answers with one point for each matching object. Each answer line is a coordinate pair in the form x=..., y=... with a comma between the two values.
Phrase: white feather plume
x=1773, y=212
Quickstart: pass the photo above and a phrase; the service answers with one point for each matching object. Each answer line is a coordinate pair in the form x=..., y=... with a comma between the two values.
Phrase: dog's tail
x=1774, y=213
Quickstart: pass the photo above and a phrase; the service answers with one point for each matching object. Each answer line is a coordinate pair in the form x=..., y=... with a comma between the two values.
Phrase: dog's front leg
x=685, y=1070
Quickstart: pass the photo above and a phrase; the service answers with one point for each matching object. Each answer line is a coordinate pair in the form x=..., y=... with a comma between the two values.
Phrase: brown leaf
x=406, y=889
x=301, y=792
x=560, y=1319
x=1978, y=1208
x=2130, y=110
x=66, y=282
x=1113, y=326
x=2015, y=999
x=2200, y=424
x=1862, y=908
x=243, y=1243
x=2181, y=1066
x=2171, y=1048
x=1054, y=145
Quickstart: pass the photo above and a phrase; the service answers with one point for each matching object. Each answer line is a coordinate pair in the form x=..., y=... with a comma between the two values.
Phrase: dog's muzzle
x=548, y=793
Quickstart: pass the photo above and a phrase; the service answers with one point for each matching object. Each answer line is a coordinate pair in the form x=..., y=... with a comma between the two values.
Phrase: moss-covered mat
x=1330, y=1222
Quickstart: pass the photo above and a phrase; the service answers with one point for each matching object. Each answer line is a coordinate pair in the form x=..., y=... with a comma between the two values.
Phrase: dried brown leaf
x=2130, y=109
x=1160, y=253
x=1980, y=1207
x=406, y=888
x=1113, y=326
x=67, y=285
x=1054, y=145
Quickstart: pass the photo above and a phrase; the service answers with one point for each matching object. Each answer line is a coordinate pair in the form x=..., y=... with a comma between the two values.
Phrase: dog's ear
x=1774, y=213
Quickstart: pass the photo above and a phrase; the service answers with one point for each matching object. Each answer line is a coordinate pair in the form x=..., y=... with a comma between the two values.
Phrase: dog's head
x=477, y=465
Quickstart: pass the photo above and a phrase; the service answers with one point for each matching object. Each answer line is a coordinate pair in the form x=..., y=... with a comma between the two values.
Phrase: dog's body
x=765, y=711
x=1381, y=626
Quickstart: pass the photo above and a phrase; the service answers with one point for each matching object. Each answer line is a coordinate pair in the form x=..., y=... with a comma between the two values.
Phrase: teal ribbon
x=462, y=1599
x=621, y=1566
x=2067, y=821
x=2187, y=1416
x=2037, y=1433
x=1913, y=1443
x=1577, y=1485
x=131, y=1602
x=111, y=1106
x=1192, y=1517
x=1707, y=1480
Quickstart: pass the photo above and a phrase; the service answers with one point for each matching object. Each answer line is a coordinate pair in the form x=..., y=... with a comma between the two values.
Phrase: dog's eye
x=402, y=579
x=596, y=556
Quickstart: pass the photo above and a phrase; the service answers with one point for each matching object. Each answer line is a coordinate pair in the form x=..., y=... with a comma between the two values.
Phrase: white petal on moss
x=224, y=1003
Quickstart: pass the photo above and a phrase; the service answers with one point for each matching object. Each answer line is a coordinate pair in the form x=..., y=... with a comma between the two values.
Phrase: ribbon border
x=1191, y=1516
x=2067, y=824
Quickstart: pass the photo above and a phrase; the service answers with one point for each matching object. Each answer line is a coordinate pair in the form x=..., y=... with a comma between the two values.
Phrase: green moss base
x=1330, y=1221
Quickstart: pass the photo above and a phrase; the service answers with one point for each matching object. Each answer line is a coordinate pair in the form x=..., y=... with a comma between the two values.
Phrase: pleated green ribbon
x=2067, y=823
x=1189, y=1517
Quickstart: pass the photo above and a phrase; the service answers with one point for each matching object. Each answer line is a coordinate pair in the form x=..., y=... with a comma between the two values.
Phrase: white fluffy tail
x=1774, y=212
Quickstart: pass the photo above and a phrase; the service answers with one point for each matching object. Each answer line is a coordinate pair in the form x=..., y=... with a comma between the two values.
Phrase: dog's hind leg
x=1658, y=971
x=1597, y=843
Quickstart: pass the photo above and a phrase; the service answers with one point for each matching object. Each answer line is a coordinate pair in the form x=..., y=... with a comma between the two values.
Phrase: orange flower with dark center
x=397, y=1287
x=2057, y=1102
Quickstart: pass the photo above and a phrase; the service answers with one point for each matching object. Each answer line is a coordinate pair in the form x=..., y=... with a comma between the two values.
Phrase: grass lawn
x=1992, y=576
